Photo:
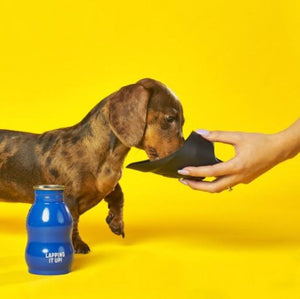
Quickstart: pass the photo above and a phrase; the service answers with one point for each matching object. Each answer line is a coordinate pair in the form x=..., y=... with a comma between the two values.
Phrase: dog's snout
x=152, y=153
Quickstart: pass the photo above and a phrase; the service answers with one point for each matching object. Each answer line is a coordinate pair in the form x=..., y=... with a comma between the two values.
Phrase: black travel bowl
x=196, y=151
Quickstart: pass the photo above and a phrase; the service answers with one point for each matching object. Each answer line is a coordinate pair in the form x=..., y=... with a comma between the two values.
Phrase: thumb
x=220, y=136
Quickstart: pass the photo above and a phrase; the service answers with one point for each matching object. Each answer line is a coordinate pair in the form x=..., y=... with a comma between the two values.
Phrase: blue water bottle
x=49, y=249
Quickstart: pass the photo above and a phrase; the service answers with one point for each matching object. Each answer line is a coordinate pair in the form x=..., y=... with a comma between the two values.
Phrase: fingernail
x=183, y=182
x=202, y=132
x=183, y=171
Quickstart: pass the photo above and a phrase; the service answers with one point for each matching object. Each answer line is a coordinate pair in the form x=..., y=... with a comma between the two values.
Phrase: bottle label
x=55, y=257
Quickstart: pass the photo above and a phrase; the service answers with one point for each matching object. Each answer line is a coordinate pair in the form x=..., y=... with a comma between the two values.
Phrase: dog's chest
x=93, y=191
x=107, y=180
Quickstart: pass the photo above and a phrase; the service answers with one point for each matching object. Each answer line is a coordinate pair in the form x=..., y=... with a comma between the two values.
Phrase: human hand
x=255, y=153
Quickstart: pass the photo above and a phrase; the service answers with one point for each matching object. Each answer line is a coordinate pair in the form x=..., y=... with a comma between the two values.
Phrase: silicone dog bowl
x=196, y=151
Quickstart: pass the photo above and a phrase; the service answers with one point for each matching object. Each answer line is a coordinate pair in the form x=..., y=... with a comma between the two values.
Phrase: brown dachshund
x=88, y=157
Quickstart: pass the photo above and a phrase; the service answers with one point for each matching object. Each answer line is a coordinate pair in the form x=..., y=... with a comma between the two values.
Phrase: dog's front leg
x=78, y=244
x=114, y=219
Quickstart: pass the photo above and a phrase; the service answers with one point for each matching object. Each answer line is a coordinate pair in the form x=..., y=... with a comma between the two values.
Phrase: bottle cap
x=49, y=187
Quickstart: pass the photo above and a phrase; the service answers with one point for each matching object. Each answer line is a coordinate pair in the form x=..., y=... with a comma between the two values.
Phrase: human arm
x=255, y=153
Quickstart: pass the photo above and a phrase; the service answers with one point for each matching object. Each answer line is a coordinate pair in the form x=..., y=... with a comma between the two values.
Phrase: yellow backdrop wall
x=235, y=66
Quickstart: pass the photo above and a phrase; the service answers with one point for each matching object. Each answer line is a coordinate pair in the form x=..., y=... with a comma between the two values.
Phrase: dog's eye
x=170, y=119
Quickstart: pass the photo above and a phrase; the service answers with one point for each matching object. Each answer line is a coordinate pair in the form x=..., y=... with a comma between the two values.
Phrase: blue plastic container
x=49, y=249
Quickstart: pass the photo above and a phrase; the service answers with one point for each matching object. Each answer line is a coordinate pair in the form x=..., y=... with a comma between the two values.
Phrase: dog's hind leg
x=114, y=219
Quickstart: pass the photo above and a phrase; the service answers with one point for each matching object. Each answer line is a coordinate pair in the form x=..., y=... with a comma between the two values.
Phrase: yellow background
x=235, y=66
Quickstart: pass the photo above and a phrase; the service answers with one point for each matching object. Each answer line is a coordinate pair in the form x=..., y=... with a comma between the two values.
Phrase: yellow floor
x=240, y=244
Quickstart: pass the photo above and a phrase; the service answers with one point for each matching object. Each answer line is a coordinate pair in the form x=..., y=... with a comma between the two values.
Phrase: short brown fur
x=88, y=157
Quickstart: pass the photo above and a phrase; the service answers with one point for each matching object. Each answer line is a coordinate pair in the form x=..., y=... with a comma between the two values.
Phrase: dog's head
x=149, y=116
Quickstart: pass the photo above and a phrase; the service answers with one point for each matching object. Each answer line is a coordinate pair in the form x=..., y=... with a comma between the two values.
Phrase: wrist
x=288, y=142
x=279, y=147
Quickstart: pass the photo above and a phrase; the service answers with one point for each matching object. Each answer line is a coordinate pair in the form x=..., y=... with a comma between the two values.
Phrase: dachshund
x=87, y=158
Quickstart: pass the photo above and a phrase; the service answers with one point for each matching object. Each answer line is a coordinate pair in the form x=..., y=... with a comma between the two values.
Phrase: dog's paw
x=80, y=246
x=116, y=224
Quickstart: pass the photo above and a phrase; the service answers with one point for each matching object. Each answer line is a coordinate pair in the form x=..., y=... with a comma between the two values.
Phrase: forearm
x=289, y=141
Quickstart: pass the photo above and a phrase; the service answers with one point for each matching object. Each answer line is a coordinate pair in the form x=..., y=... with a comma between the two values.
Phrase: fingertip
x=184, y=182
x=203, y=132
x=183, y=171
x=194, y=171
x=195, y=185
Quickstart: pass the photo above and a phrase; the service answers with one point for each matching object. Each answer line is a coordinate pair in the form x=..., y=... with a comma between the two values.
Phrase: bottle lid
x=49, y=187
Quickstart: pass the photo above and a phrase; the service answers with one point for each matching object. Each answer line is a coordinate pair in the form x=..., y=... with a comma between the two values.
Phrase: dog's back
x=17, y=165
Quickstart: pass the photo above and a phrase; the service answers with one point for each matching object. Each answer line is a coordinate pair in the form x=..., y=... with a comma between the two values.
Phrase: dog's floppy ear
x=128, y=113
